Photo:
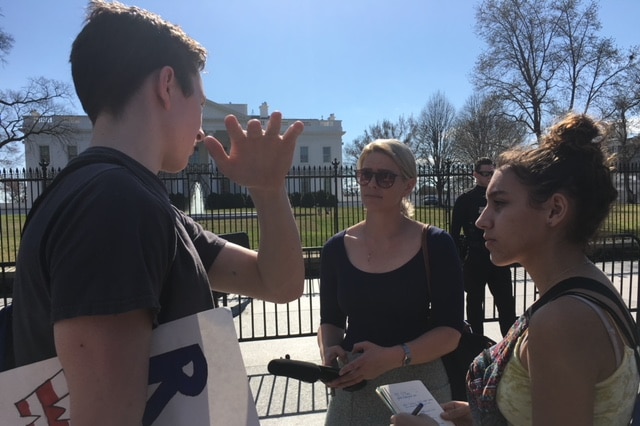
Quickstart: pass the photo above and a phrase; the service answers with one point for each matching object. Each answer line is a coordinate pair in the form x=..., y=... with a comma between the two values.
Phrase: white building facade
x=319, y=145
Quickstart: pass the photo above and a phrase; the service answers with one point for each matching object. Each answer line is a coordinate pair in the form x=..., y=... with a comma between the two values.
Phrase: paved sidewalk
x=282, y=401
x=286, y=402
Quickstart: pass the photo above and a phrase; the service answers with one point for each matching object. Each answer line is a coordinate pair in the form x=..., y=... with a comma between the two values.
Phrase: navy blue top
x=392, y=307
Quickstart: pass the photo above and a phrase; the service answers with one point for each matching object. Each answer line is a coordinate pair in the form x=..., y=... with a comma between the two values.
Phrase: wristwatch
x=407, y=355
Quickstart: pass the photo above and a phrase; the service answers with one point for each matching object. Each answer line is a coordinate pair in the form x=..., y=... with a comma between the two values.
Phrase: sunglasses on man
x=384, y=178
x=485, y=174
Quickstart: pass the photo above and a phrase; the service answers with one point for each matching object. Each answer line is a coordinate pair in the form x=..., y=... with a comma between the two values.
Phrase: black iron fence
x=259, y=320
x=324, y=200
x=327, y=199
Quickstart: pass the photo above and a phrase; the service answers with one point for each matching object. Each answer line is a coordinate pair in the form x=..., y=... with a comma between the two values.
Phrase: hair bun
x=576, y=132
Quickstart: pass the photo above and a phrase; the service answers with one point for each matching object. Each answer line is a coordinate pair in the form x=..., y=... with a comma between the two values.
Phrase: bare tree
x=6, y=43
x=37, y=109
x=520, y=62
x=483, y=129
x=14, y=188
x=434, y=130
x=591, y=63
x=434, y=138
x=623, y=103
x=545, y=57
x=403, y=130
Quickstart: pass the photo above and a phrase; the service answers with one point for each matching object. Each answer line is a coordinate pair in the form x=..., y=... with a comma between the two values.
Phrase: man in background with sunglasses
x=477, y=267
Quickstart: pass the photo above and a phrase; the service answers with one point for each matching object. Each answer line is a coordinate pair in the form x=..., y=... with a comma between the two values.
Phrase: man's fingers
x=254, y=129
x=233, y=127
x=274, y=124
x=216, y=150
x=294, y=131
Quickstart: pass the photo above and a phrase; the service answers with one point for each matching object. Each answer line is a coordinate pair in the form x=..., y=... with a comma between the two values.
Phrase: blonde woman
x=375, y=318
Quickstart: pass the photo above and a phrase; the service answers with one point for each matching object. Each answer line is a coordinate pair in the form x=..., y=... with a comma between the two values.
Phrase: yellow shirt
x=613, y=405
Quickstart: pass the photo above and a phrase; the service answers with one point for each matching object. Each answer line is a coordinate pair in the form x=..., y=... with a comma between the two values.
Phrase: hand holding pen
x=413, y=419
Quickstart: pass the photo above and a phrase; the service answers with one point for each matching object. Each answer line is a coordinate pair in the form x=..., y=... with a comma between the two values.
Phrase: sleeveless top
x=486, y=377
x=612, y=404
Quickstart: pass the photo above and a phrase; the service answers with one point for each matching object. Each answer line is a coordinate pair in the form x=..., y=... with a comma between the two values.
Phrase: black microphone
x=302, y=370
x=308, y=372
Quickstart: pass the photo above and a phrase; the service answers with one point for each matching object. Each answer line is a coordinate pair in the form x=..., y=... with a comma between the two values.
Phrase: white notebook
x=404, y=397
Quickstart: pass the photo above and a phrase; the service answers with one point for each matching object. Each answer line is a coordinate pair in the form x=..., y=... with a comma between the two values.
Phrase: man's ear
x=164, y=85
x=558, y=209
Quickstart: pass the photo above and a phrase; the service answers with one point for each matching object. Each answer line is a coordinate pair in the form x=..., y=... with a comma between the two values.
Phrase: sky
x=362, y=60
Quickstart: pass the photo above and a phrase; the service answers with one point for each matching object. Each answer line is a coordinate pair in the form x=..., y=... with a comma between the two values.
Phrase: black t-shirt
x=106, y=240
x=392, y=307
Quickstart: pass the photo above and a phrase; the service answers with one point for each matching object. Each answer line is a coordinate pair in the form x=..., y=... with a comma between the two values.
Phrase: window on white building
x=225, y=186
x=72, y=152
x=304, y=154
x=326, y=154
x=44, y=154
x=305, y=185
x=327, y=184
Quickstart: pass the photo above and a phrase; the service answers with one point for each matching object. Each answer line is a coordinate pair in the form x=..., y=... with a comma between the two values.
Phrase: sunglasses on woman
x=384, y=178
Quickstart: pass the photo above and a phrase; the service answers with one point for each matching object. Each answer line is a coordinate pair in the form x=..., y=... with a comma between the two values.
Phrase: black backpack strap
x=425, y=254
x=588, y=288
x=7, y=357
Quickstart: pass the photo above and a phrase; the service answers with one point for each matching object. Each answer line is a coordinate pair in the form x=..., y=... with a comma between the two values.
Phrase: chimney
x=264, y=110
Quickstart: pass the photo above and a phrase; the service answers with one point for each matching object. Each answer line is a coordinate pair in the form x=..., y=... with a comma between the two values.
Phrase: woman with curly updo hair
x=569, y=359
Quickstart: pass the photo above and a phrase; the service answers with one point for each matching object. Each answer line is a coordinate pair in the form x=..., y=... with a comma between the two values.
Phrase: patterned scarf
x=485, y=373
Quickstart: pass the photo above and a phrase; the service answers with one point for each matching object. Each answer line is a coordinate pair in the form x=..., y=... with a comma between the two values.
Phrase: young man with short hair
x=105, y=256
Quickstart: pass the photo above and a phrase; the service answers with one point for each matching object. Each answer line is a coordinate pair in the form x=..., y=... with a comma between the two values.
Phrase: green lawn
x=623, y=219
x=10, y=228
x=315, y=225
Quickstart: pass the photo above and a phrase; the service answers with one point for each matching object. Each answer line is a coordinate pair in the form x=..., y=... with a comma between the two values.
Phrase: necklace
x=370, y=253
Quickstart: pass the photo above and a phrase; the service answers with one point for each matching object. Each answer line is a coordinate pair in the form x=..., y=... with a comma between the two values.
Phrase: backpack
x=456, y=363
x=7, y=360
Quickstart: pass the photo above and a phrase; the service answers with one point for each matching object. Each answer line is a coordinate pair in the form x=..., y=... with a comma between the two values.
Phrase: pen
x=417, y=409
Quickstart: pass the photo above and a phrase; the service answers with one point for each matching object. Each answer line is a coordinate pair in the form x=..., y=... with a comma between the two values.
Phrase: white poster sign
x=196, y=377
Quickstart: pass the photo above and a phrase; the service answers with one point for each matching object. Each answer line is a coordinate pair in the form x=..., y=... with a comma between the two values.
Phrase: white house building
x=319, y=145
